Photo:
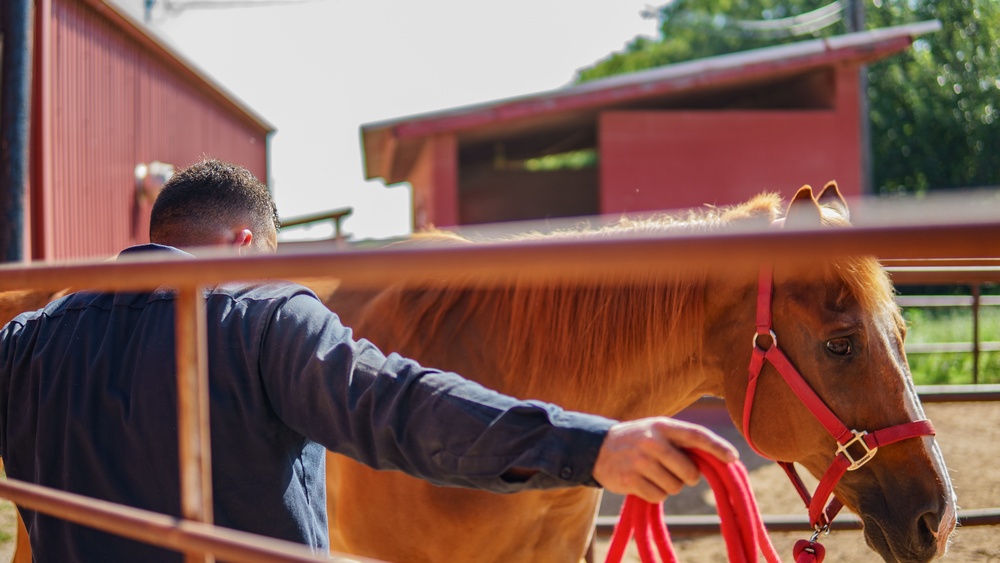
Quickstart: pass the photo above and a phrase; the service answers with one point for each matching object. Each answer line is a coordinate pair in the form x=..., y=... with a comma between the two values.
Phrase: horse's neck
x=730, y=323
x=619, y=350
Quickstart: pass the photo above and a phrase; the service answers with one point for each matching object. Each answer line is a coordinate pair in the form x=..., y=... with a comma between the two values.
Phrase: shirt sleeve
x=6, y=359
x=389, y=412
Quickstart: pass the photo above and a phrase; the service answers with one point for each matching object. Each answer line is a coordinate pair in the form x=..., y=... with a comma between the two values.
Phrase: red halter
x=854, y=448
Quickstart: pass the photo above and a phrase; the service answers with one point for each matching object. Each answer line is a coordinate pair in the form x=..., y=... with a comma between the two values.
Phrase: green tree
x=934, y=109
x=693, y=29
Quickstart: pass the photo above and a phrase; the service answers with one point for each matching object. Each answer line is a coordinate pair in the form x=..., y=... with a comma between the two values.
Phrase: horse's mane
x=620, y=323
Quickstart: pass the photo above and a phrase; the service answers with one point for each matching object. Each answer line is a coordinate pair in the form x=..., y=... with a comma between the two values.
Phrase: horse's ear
x=830, y=197
x=803, y=211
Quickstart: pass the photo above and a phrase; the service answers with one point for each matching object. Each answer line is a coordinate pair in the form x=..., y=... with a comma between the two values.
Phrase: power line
x=802, y=24
x=174, y=7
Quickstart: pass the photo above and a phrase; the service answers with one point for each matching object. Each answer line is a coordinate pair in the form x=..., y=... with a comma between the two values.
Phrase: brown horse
x=628, y=348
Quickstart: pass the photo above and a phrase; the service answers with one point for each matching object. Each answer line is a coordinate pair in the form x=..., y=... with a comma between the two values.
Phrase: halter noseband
x=854, y=448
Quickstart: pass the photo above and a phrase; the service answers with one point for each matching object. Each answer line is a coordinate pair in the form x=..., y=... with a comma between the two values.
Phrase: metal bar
x=709, y=524
x=192, y=408
x=958, y=393
x=941, y=262
x=335, y=214
x=946, y=300
x=158, y=529
x=975, y=332
x=542, y=261
x=947, y=275
x=950, y=347
x=934, y=300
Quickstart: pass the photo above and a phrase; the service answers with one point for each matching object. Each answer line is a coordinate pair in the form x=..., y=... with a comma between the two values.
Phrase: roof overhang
x=390, y=147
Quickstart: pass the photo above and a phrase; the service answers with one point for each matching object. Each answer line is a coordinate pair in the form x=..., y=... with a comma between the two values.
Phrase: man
x=88, y=400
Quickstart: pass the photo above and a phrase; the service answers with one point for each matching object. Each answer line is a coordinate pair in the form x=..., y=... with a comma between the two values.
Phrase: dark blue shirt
x=88, y=405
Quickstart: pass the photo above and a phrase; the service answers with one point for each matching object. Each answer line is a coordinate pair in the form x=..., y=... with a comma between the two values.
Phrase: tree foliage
x=934, y=109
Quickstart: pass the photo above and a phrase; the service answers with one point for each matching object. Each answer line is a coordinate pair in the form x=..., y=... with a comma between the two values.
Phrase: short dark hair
x=208, y=195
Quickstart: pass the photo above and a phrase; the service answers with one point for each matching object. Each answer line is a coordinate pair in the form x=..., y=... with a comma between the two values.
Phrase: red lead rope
x=742, y=525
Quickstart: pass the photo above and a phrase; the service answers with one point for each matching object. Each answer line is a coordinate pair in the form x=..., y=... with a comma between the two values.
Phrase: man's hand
x=644, y=457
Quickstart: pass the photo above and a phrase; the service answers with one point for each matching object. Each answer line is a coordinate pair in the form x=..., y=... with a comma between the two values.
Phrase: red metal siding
x=116, y=103
x=672, y=159
x=435, y=183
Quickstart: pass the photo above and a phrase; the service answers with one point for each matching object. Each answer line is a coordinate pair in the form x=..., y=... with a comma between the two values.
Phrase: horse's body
x=627, y=348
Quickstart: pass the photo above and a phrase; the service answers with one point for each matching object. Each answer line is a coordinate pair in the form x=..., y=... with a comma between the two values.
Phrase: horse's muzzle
x=919, y=540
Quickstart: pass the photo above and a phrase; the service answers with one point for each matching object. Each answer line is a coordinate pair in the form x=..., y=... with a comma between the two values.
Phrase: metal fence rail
x=975, y=302
x=959, y=237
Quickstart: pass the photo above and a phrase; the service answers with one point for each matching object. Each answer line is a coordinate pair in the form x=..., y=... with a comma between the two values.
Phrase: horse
x=630, y=347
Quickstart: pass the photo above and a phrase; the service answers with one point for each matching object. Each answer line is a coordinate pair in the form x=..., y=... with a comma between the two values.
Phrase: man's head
x=215, y=203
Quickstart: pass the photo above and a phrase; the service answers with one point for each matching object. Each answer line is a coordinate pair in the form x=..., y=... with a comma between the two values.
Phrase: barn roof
x=191, y=73
x=391, y=147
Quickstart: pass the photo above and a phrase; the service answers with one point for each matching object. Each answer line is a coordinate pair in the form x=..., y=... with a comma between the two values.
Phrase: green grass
x=952, y=324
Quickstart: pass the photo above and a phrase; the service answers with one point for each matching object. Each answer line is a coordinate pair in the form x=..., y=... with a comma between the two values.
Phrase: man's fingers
x=674, y=464
x=671, y=472
x=649, y=492
x=690, y=436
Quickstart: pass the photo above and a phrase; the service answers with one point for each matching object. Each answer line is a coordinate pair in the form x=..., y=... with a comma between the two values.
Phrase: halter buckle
x=859, y=438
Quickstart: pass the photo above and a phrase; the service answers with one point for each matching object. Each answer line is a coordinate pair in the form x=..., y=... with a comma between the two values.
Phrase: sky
x=319, y=69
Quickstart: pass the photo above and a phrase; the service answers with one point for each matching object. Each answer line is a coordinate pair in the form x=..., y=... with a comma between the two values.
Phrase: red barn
x=715, y=130
x=111, y=105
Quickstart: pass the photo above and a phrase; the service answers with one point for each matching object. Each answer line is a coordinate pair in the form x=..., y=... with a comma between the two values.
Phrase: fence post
x=192, y=410
x=975, y=333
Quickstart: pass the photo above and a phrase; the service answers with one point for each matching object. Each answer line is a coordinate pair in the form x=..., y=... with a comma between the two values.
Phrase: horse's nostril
x=929, y=522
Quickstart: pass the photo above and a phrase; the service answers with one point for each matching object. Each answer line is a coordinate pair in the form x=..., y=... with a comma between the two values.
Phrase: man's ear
x=242, y=240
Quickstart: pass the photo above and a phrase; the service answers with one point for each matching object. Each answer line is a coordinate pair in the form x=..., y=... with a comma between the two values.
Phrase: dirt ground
x=969, y=434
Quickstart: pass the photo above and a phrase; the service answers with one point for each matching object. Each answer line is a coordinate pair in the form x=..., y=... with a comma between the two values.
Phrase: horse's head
x=837, y=324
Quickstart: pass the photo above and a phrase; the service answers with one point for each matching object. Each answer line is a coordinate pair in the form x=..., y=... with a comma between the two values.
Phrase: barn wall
x=114, y=103
x=435, y=183
x=677, y=159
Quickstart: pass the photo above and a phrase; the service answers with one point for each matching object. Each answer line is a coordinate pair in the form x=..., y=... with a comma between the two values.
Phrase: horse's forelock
x=868, y=282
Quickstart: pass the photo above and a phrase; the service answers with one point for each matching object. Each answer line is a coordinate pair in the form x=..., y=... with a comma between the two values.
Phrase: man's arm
x=392, y=413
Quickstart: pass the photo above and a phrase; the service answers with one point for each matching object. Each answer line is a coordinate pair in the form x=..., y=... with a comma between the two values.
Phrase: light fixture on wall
x=149, y=179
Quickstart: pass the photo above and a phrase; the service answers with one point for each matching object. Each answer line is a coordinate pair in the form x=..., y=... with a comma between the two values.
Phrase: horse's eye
x=839, y=346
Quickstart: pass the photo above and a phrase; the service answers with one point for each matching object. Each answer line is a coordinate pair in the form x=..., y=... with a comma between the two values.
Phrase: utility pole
x=15, y=123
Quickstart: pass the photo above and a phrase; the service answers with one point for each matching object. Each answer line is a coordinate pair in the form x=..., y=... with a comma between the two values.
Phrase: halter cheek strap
x=854, y=448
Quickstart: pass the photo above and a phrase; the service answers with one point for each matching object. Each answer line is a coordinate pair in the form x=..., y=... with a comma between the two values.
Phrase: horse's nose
x=939, y=524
